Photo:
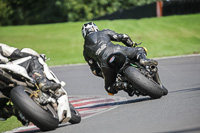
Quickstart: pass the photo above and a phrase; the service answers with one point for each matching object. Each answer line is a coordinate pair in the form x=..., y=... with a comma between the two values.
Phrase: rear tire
x=75, y=115
x=41, y=118
x=142, y=83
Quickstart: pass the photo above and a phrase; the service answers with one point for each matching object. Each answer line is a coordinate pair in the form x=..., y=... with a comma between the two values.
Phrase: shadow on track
x=38, y=130
x=184, y=131
x=134, y=100
x=118, y=103
x=186, y=90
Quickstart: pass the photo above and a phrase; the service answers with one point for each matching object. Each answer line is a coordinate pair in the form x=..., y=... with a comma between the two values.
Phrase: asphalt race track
x=178, y=112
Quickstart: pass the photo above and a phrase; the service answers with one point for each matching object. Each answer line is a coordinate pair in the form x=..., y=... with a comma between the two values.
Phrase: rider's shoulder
x=107, y=31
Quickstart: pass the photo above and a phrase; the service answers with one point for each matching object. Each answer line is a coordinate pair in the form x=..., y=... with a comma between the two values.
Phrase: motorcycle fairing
x=63, y=102
x=19, y=70
x=49, y=74
x=63, y=107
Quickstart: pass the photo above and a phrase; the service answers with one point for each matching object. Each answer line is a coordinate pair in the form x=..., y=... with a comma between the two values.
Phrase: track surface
x=177, y=112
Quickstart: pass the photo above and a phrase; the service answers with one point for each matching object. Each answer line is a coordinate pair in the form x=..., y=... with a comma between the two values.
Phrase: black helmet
x=89, y=27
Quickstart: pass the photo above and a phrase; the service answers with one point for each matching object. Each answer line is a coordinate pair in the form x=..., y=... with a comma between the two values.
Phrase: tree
x=17, y=12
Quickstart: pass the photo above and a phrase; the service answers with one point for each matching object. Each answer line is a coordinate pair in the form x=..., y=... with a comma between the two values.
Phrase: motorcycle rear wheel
x=44, y=119
x=142, y=83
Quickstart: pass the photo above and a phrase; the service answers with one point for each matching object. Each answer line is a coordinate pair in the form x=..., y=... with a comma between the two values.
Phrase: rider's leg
x=139, y=54
x=36, y=70
x=141, y=57
x=109, y=79
x=111, y=86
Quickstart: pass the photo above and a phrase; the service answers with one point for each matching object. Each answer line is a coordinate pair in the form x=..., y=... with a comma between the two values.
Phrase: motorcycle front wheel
x=75, y=115
x=45, y=119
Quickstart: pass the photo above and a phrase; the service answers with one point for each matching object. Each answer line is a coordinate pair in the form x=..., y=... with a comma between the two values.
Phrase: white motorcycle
x=45, y=110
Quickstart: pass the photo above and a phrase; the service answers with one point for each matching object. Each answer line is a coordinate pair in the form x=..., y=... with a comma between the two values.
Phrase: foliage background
x=19, y=12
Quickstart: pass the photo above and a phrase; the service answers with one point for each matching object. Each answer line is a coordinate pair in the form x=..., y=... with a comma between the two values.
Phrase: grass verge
x=63, y=42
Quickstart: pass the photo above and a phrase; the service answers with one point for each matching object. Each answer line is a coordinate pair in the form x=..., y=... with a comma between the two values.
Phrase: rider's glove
x=127, y=40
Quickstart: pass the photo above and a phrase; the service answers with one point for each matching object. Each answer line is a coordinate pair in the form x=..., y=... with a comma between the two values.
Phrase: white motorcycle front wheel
x=45, y=119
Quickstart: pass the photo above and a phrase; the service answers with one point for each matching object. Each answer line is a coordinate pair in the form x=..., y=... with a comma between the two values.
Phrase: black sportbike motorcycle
x=138, y=79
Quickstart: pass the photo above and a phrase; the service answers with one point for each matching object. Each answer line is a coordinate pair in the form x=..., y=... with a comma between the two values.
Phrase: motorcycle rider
x=98, y=47
x=29, y=59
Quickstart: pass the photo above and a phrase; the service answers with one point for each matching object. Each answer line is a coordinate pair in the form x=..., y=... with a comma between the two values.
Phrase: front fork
x=64, y=112
x=63, y=108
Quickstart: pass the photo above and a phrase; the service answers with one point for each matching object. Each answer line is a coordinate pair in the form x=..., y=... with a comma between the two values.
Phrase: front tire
x=75, y=115
x=41, y=118
x=142, y=83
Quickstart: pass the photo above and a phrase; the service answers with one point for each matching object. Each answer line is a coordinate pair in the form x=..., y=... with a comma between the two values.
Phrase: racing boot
x=145, y=61
x=117, y=86
x=111, y=90
x=44, y=84
x=120, y=85
x=123, y=86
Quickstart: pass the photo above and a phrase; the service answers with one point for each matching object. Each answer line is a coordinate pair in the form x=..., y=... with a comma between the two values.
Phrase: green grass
x=63, y=42
x=10, y=124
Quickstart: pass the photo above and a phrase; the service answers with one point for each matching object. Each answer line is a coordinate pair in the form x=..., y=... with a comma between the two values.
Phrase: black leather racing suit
x=98, y=47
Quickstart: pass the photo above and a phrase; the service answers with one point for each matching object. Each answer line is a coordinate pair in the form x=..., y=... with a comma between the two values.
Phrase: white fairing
x=63, y=106
x=3, y=59
x=7, y=50
x=19, y=61
x=50, y=75
x=16, y=69
x=30, y=51
x=63, y=102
